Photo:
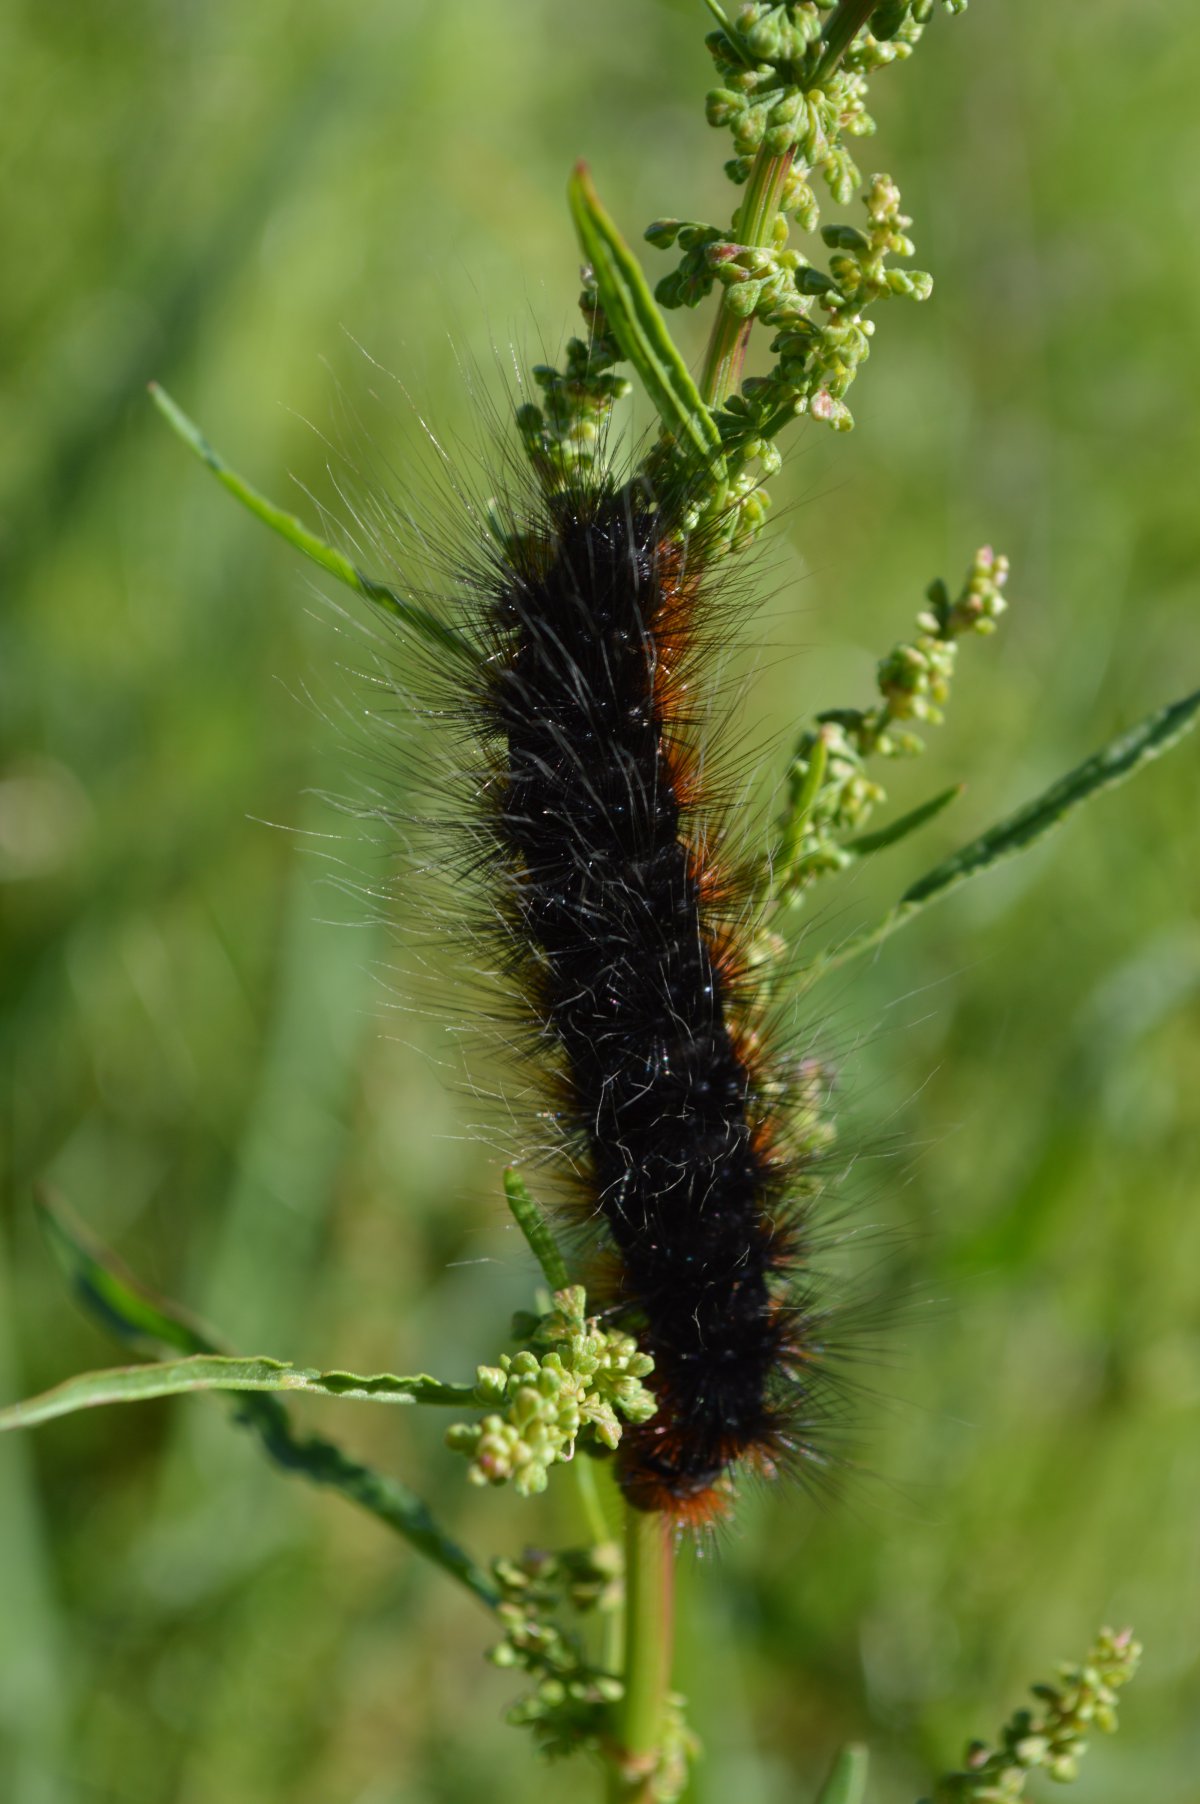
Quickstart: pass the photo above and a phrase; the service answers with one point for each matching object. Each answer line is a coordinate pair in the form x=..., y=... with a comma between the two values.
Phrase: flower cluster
x=570, y=1706
x=566, y=431
x=570, y=1699
x=1053, y=1736
x=830, y=792
x=571, y=1379
x=792, y=101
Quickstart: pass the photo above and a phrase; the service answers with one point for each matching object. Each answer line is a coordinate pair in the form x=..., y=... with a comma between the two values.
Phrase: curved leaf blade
x=409, y=613
x=1115, y=763
x=123, y=1305
x=203, y=1372
x=391, y=1502
x=638, y=325
x=847, y=1783
x=868, y=843
x=130, y=1311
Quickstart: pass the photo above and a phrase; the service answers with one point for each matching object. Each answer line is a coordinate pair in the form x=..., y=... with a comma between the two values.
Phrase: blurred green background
x=211, y=1045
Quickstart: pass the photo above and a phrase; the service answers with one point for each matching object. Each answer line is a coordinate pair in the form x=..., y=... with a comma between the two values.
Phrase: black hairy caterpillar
x=621, y=931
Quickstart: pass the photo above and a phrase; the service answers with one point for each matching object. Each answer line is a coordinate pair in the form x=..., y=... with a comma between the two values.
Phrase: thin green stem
x=726, y=352
x=649, y=1640
x=589, y=1498
x=841, y=31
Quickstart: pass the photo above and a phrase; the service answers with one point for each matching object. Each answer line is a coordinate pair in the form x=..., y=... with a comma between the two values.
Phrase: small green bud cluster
x=817, y=316
x=572, y=1379
x=566, y=432
x=830, y=792
x=570, y=1703
x=821, y=337
x=771, y=100
x=914, y=680
x=792, y=93
x=791, y=115
x=1053, y=1736
x=678, y=1750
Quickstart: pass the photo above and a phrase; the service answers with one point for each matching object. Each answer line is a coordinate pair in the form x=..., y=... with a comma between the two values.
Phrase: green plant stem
x=589, y=1498
x=649, y=1640
x=839, y=34
x=726, y=352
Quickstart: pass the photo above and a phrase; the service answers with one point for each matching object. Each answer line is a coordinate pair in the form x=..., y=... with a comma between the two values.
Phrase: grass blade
x=409, y=613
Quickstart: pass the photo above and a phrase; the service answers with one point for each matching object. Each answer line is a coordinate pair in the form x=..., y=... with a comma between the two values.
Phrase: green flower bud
x=845, y=238
x=491, y=1383
x=723, y=107
x=663, y=232
x=741, y=298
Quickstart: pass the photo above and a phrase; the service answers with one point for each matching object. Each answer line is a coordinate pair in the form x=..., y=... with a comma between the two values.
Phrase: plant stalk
x=726, y=353
x=840, y=33
x=649, y=1638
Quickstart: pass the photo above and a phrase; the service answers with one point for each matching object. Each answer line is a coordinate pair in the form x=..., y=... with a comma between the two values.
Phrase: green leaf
x=847, y=1783
x=639, y=327
x=801, y=804
x=127, y=1309
x=532, y=1224
x=385, y=1498
x=409, y=613
x=124, y=1306
x=207, y=1372
x=899, y=829
x=1115, y=763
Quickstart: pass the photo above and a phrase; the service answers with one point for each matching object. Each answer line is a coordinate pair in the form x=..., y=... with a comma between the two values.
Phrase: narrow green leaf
x=532, y=1224
x=847, y=1783
x=135, y=1316
x=385, y=1498
x=1114, y=764
x=638, y=325
x=123, y=1305
x=802, y=804
x=206, y=1372
x=895, y=831
x=410, y=614
x=136, y=1384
